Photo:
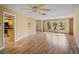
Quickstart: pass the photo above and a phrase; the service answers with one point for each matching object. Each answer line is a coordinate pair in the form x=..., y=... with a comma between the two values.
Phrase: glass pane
x=48, y=25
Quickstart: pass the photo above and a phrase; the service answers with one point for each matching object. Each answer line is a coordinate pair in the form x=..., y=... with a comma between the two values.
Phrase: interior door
x=38, y=26
x=1, y=35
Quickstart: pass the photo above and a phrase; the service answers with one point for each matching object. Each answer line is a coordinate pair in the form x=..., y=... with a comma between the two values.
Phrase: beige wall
x=76, y=26
x=21, y=23
x=31, y=25
x=21, y=26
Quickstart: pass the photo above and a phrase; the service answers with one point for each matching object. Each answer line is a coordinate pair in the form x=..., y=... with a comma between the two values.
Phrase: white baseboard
x=1, y=48
x=77, y=44
x=77, y=41
x=24, y=36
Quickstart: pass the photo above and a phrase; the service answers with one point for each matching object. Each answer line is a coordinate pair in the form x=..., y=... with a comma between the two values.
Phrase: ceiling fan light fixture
x=43, y=14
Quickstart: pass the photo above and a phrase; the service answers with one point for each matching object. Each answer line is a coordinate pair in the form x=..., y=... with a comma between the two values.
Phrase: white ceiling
x=56, y=10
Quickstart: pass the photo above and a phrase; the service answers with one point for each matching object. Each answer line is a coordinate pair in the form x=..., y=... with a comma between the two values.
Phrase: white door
x=1, y=33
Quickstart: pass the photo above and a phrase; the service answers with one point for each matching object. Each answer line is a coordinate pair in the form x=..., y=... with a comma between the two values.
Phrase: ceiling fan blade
x=45, y=9
x=35, y=5
x=40, y=5
x=30, y=5
x=41, y=13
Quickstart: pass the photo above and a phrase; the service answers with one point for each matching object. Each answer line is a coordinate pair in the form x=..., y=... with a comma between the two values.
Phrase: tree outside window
x=54, y=26
x=62, y=26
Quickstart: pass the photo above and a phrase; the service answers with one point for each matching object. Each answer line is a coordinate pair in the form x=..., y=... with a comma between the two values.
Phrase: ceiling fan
x=38, y=8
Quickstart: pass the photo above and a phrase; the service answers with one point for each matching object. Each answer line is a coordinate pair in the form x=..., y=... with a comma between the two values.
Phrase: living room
x=57, y=22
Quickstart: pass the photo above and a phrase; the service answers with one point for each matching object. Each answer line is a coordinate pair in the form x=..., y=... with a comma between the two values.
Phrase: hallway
x=42, y=43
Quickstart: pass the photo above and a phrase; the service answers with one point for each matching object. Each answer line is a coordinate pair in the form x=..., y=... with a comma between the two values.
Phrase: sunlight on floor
x=58, y=40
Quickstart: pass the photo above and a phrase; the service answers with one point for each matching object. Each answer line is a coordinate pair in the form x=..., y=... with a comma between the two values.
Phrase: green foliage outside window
x=48, y=25
x=62, y=26
x=54, y=26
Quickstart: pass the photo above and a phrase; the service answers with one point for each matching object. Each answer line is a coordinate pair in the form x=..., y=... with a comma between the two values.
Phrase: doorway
x=9, y=27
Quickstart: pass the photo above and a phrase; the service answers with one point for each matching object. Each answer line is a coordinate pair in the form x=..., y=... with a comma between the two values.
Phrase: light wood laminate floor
x=42, y=43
